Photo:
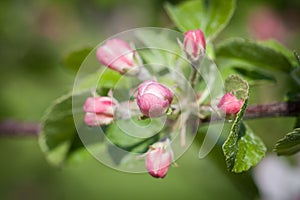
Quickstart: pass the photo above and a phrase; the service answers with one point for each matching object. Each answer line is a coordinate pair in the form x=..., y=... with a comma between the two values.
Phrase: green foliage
x=58, y=135
x=254, y=54
x=281, y=49
x=254, y=75
x=210, y=16
x=118, y=134
x=237, y=86
x=296, y=75
x=242, y=149
x=162, y=49
x=74, y=60
x=289, y=144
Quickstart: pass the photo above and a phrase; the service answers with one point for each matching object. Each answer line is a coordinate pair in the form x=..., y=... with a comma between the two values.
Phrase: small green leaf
x=156, y=43
x=74, y=60
x=242, y=149
x=110, y=78
x=230, y=146
x=254, y=54
x=58, y=130
x=210, y=16
x=104, y=78
x=251, y=150
x=281, y=49
x=289, y=144
x=237, y=86
x=254, y=75
x=132, y=135
x=58, y=137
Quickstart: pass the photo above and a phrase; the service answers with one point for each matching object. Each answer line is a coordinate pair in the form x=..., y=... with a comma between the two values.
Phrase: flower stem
x=194, y=77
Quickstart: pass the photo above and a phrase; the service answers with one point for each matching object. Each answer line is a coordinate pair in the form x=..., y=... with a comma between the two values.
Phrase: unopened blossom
x=153, y=98
x=119, y=56
x=99, y=110
x=230, y=104
x=159, y=158
x=194, y=45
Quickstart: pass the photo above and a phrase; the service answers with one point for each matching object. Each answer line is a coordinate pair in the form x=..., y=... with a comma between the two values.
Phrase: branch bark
x=18, y=128
x=282, y=109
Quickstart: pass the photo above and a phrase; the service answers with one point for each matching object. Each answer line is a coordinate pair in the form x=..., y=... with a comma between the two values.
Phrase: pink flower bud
x=119, y=56
x=230, y=104
x=153, y=98
x=159, y=158
x=99, y=110
x=194, y=45
x=94, y=119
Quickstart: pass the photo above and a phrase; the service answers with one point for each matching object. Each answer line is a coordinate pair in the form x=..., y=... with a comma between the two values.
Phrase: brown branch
x=18, y=128
x=282, y=109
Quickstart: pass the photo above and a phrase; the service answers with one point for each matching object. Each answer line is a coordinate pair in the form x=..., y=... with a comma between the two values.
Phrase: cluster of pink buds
x=119, y=56
x=153, y=98
x=158, y=159
x=194, y=45
x=99, y=110
x=230, y=104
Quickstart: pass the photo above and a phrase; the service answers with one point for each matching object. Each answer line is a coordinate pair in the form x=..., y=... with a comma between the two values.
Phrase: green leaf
x=58, y=137
x=58, y=130
x=289, y=144
x=162, y=48
x=254, y=75
x=230, y=146
x=104, y=78
x=254, y=54
x=281, y=49
x=210, y=16
x=74, y=60
x=242, y=149
x=134, y=135
x=237, y=86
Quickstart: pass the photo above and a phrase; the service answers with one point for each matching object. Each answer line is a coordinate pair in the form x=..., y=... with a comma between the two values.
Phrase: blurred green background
x=34, y=38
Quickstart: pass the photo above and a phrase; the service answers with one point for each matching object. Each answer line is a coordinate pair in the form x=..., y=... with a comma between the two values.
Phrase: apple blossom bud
x=94, y=119
x=99, y=110
x=159, y=158
x=230, y=104
x=194, y=45
x=119, y=56
x=153, y=98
